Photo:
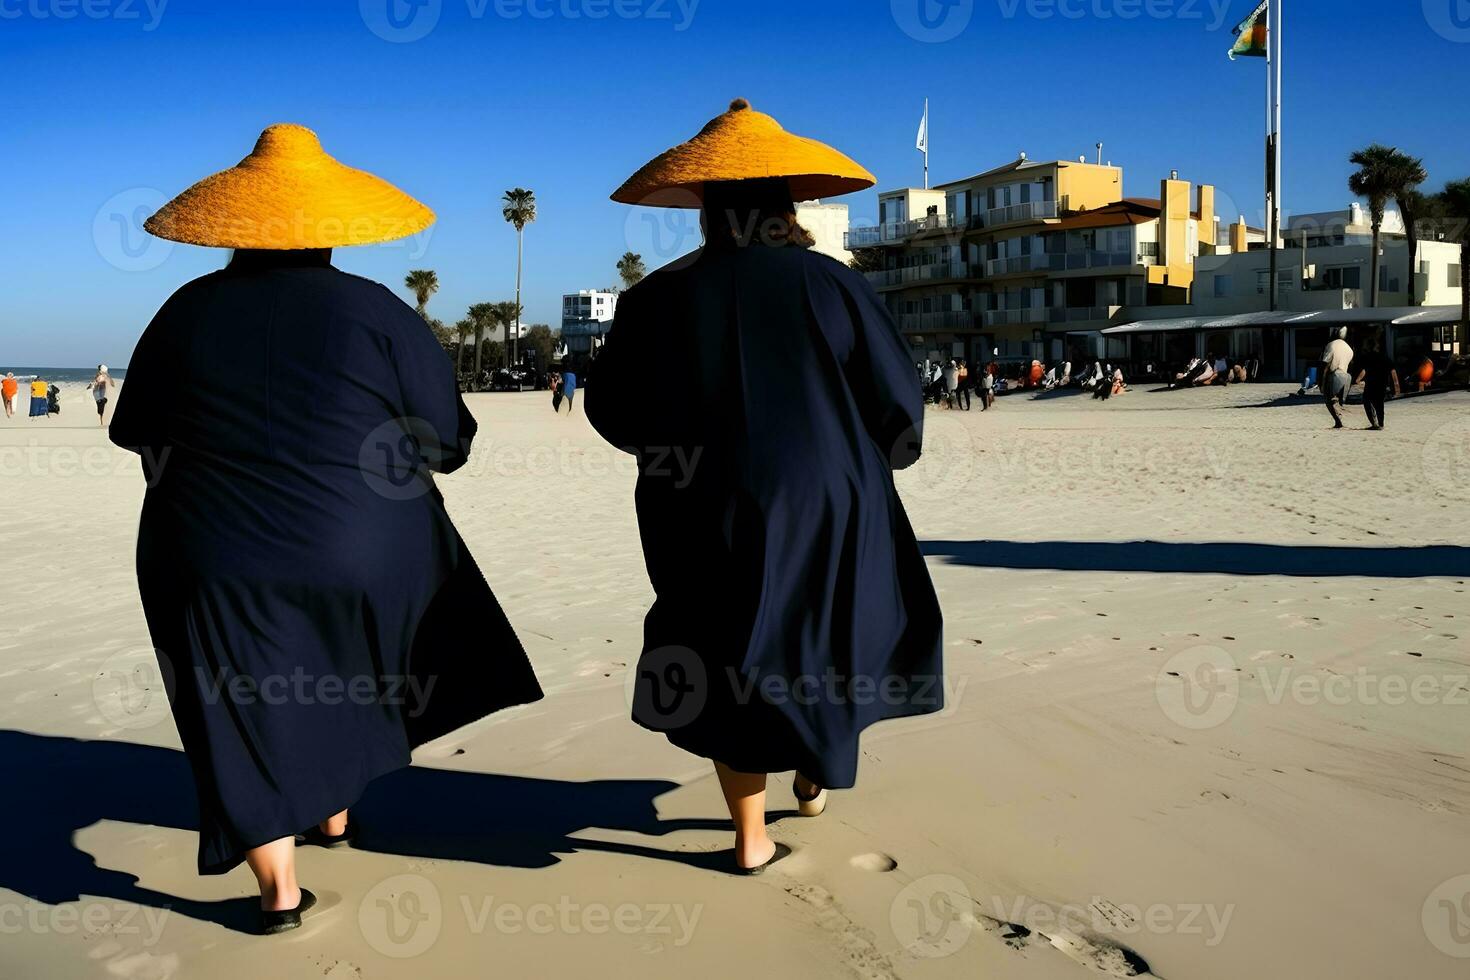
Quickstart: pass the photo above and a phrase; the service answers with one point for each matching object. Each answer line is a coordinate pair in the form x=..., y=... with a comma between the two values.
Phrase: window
x=1386, y=283
x=1454, y=277
x=1222, y=287
x=1343, y=277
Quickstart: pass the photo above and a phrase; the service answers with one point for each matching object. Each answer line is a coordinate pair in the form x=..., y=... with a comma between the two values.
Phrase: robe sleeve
x=617, y=396
x=882, y=379
x=140, y=421
x=429, y=393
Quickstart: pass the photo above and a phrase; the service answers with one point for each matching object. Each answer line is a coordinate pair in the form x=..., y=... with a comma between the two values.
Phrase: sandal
x=781, y=851
x=275, y=923
x=810, y=806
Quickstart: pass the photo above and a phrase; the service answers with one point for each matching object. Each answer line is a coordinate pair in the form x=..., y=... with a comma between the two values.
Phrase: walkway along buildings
x=1048, y=260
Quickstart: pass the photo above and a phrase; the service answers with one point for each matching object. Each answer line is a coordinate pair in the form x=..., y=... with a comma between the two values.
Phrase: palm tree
x=465, y=327
x=482, y=316
x=507, y=315
x=1455, y=200
x=630, y=268
x=423, y=283
x=519, y=208
x=1383, y=172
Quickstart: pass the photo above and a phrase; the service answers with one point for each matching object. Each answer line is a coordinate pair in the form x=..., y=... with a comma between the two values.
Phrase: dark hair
x=739, y=213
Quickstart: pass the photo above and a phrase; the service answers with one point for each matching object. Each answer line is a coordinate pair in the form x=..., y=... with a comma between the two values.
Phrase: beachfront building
x=586, y=317
x=1032, y=260
x=1324, y=272
x=828, y=225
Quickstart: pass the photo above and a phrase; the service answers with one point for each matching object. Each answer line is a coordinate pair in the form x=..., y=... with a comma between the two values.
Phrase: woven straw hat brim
x=289, y=194
x=742, y=144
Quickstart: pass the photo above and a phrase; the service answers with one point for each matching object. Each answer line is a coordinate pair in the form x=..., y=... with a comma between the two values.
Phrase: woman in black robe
x=793, y=606
x=314, y=610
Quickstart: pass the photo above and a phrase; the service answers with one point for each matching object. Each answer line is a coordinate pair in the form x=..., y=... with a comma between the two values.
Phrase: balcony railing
x=921, y=273
x=1092, y=259
x=941, y=320
x=1024, y=314
x=1030, y=211
x=1036, y=262
x=868, y=237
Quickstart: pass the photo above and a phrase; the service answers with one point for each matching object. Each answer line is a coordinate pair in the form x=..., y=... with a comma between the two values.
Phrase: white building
x=585, y=317
x=828, y=224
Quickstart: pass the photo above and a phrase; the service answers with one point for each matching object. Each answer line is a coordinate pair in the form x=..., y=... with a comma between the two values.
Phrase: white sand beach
x=1209, y=702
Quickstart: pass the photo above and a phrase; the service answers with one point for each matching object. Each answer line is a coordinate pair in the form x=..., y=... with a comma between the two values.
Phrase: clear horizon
x=112, y=111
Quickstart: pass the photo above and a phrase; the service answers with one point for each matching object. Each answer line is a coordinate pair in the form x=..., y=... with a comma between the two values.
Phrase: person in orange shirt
x=9, y=388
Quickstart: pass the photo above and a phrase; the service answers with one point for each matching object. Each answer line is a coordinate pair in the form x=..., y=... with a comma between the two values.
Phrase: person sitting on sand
x=277, y=543
x=10, y=389
x=785, y=570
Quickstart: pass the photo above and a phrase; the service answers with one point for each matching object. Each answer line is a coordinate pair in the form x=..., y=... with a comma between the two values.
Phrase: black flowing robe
x=768, y=396
x=314, y=611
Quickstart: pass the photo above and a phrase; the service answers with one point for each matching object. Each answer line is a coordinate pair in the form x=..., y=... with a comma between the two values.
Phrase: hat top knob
x=287, y=139
x=739, y=104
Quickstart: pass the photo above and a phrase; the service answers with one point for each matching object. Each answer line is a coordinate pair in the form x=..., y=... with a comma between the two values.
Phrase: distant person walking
x=1375, y=372
x=1337, y=359
x=987, y=386
x=962, y=393
x=10, y=389
x=568, y=386
x=951, y=384
x=38, y=398
x=101, y=381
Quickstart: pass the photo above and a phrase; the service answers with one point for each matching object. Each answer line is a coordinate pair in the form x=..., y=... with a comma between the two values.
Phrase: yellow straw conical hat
x=288, y=194
x=742, y=144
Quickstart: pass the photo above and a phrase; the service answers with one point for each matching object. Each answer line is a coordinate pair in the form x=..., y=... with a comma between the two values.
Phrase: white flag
x=923, y=141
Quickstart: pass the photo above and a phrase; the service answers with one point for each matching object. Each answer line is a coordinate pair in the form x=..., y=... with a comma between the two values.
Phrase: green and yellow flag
x=1251, y=36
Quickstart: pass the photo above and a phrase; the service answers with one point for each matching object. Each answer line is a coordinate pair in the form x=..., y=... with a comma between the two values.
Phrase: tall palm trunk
x=459, y=357
x=1377, y=243
x=479, y=355
x=515, y=343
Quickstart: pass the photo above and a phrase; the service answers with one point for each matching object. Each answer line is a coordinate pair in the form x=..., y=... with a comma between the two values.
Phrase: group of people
x=789, y=584
x=1210, y=370
x=951, y=383
x=45, y=397
x=1371, y=367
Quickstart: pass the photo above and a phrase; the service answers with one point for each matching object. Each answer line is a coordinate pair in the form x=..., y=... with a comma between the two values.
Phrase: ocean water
x=81, y=375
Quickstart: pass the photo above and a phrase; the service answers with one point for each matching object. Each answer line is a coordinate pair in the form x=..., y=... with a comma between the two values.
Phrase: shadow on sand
x=58, y=786
x=1223, y=558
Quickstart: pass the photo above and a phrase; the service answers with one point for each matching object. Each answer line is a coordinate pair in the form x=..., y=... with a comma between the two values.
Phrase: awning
x=1418, y=316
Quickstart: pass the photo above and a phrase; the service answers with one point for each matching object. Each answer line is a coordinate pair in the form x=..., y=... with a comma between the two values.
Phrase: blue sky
x=111, y=106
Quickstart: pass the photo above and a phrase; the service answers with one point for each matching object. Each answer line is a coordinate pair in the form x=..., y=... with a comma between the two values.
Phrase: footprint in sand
x=873, y=861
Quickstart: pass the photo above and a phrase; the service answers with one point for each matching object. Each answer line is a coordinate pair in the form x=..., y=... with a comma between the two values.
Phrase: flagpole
x=1279, y=14
x=926, y=144
x=1271, y=151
